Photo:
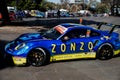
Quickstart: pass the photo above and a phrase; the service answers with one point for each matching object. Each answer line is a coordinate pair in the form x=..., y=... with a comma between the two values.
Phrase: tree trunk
x=4, y=11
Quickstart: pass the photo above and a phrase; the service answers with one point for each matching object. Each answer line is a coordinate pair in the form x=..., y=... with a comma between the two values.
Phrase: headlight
x=20, y=46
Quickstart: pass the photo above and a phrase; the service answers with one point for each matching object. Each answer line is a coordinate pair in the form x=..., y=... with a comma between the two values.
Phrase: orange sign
x=61, y=29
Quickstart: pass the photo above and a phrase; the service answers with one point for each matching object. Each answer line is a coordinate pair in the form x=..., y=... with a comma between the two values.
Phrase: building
x=76, y=1
x=83, y=1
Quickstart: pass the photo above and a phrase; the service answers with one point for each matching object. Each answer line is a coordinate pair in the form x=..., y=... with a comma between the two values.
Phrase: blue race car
x=64, y=42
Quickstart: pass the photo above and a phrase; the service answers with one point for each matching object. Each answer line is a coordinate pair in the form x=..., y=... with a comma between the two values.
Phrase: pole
x=83, y=4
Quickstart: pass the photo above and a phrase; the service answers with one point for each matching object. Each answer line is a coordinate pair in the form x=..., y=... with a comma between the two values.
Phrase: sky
x=58, y=1
x=55, y=1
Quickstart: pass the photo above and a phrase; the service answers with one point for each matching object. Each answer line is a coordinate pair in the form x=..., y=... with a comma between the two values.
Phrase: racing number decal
x=72, y=46
x=90, y=46
x=63, y=47
x=53, y=48
x=82, y=45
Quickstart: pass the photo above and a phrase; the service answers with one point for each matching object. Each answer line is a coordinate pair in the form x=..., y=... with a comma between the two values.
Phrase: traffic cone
x=81, y=20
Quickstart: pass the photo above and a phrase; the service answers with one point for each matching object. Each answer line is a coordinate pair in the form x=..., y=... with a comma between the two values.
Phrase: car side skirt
x=23, y=60
x=72, y=56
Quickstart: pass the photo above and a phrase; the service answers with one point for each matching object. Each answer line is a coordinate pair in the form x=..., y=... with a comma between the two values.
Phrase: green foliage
x=31, y=4
x=102, y=8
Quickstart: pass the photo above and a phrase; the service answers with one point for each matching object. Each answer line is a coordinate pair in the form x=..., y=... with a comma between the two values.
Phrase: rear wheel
x=37, y=57
x=105, y=52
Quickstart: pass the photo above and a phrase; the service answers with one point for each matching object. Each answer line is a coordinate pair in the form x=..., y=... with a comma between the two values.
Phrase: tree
x=74, y=8
x=42, y=5
x=102, y=8
x=114, y=5
x=64, y=4
x=4, y=11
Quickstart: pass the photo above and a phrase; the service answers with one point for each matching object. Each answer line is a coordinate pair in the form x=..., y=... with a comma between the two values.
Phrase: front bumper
x=15, y=60
x=19, y=60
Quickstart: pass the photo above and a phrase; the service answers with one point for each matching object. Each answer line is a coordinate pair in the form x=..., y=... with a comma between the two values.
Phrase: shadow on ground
x=4, y=63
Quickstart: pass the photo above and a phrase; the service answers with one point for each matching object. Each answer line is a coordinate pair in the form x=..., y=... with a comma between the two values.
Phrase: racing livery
x=64, y=42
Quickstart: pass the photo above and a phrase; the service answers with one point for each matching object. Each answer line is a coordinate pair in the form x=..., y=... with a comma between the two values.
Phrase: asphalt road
x=69, y=70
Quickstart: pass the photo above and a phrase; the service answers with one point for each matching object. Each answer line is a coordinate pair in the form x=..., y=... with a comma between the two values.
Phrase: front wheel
x=105, y=52
x=37, y=57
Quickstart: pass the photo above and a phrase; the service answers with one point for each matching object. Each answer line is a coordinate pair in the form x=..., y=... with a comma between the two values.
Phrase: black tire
x=37, y=57
x=105, y=52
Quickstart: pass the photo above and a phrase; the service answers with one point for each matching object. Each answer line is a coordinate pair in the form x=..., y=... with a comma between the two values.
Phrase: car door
x=73, y=41
x=80, y=40
x=77, y=43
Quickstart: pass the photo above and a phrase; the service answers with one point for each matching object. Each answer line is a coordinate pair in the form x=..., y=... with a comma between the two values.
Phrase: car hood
x=23, y=38
x=28, y=37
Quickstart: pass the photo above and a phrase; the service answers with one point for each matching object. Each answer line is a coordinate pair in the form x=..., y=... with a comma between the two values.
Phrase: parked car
x=12, y=16
x=64, y=42
x=40, y=14
x=64, y=14
x=36, y=13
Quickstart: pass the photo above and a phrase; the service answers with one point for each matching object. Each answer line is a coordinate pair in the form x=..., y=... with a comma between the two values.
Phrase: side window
x=94, y=34
x=82, y=33
x=72, y=34
x=76, y=33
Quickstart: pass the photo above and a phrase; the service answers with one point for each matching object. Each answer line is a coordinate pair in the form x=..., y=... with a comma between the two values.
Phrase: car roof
x=72, y=25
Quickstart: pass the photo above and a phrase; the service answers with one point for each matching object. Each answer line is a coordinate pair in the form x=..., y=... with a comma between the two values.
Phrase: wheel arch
x=109, y=44
x=43, y=49
x=39, y=48
x=103, y=44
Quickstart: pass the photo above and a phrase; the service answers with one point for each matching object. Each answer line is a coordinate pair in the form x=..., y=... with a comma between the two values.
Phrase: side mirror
x=65, y=38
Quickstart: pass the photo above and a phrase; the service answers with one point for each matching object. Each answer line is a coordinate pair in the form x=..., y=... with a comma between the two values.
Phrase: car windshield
x=52, y=34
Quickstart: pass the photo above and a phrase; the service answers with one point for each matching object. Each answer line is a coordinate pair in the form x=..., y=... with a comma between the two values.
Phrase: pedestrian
x=58, y=14
x=46, y=14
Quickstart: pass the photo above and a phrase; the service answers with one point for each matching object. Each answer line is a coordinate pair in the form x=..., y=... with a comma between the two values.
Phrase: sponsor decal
x=73, y=47
x=61, y=29
x=72, y=56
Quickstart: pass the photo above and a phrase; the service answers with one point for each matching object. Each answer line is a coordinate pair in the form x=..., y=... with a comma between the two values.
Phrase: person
x=46, y=14
x=58, y=14
x=88, y=33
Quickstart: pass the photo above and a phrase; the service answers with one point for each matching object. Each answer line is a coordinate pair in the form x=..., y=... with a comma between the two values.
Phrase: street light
x=83, y=4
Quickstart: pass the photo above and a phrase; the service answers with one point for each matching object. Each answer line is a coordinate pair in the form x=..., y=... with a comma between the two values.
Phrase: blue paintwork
x=35, y=40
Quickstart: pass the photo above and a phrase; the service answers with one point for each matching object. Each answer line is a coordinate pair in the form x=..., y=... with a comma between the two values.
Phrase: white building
x=82, y=1
x=75, y=1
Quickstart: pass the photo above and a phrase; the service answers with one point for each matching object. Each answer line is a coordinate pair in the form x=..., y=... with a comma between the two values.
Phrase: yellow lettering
x=63, y=47
x=90, y=45
x=53, y=48
x=82, y=46
x=73, y=47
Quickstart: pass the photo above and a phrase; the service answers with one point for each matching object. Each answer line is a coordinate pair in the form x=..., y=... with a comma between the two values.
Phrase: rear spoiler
x=110, y=25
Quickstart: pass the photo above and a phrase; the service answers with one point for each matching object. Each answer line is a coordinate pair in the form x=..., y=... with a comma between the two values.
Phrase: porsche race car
x=64, y=42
